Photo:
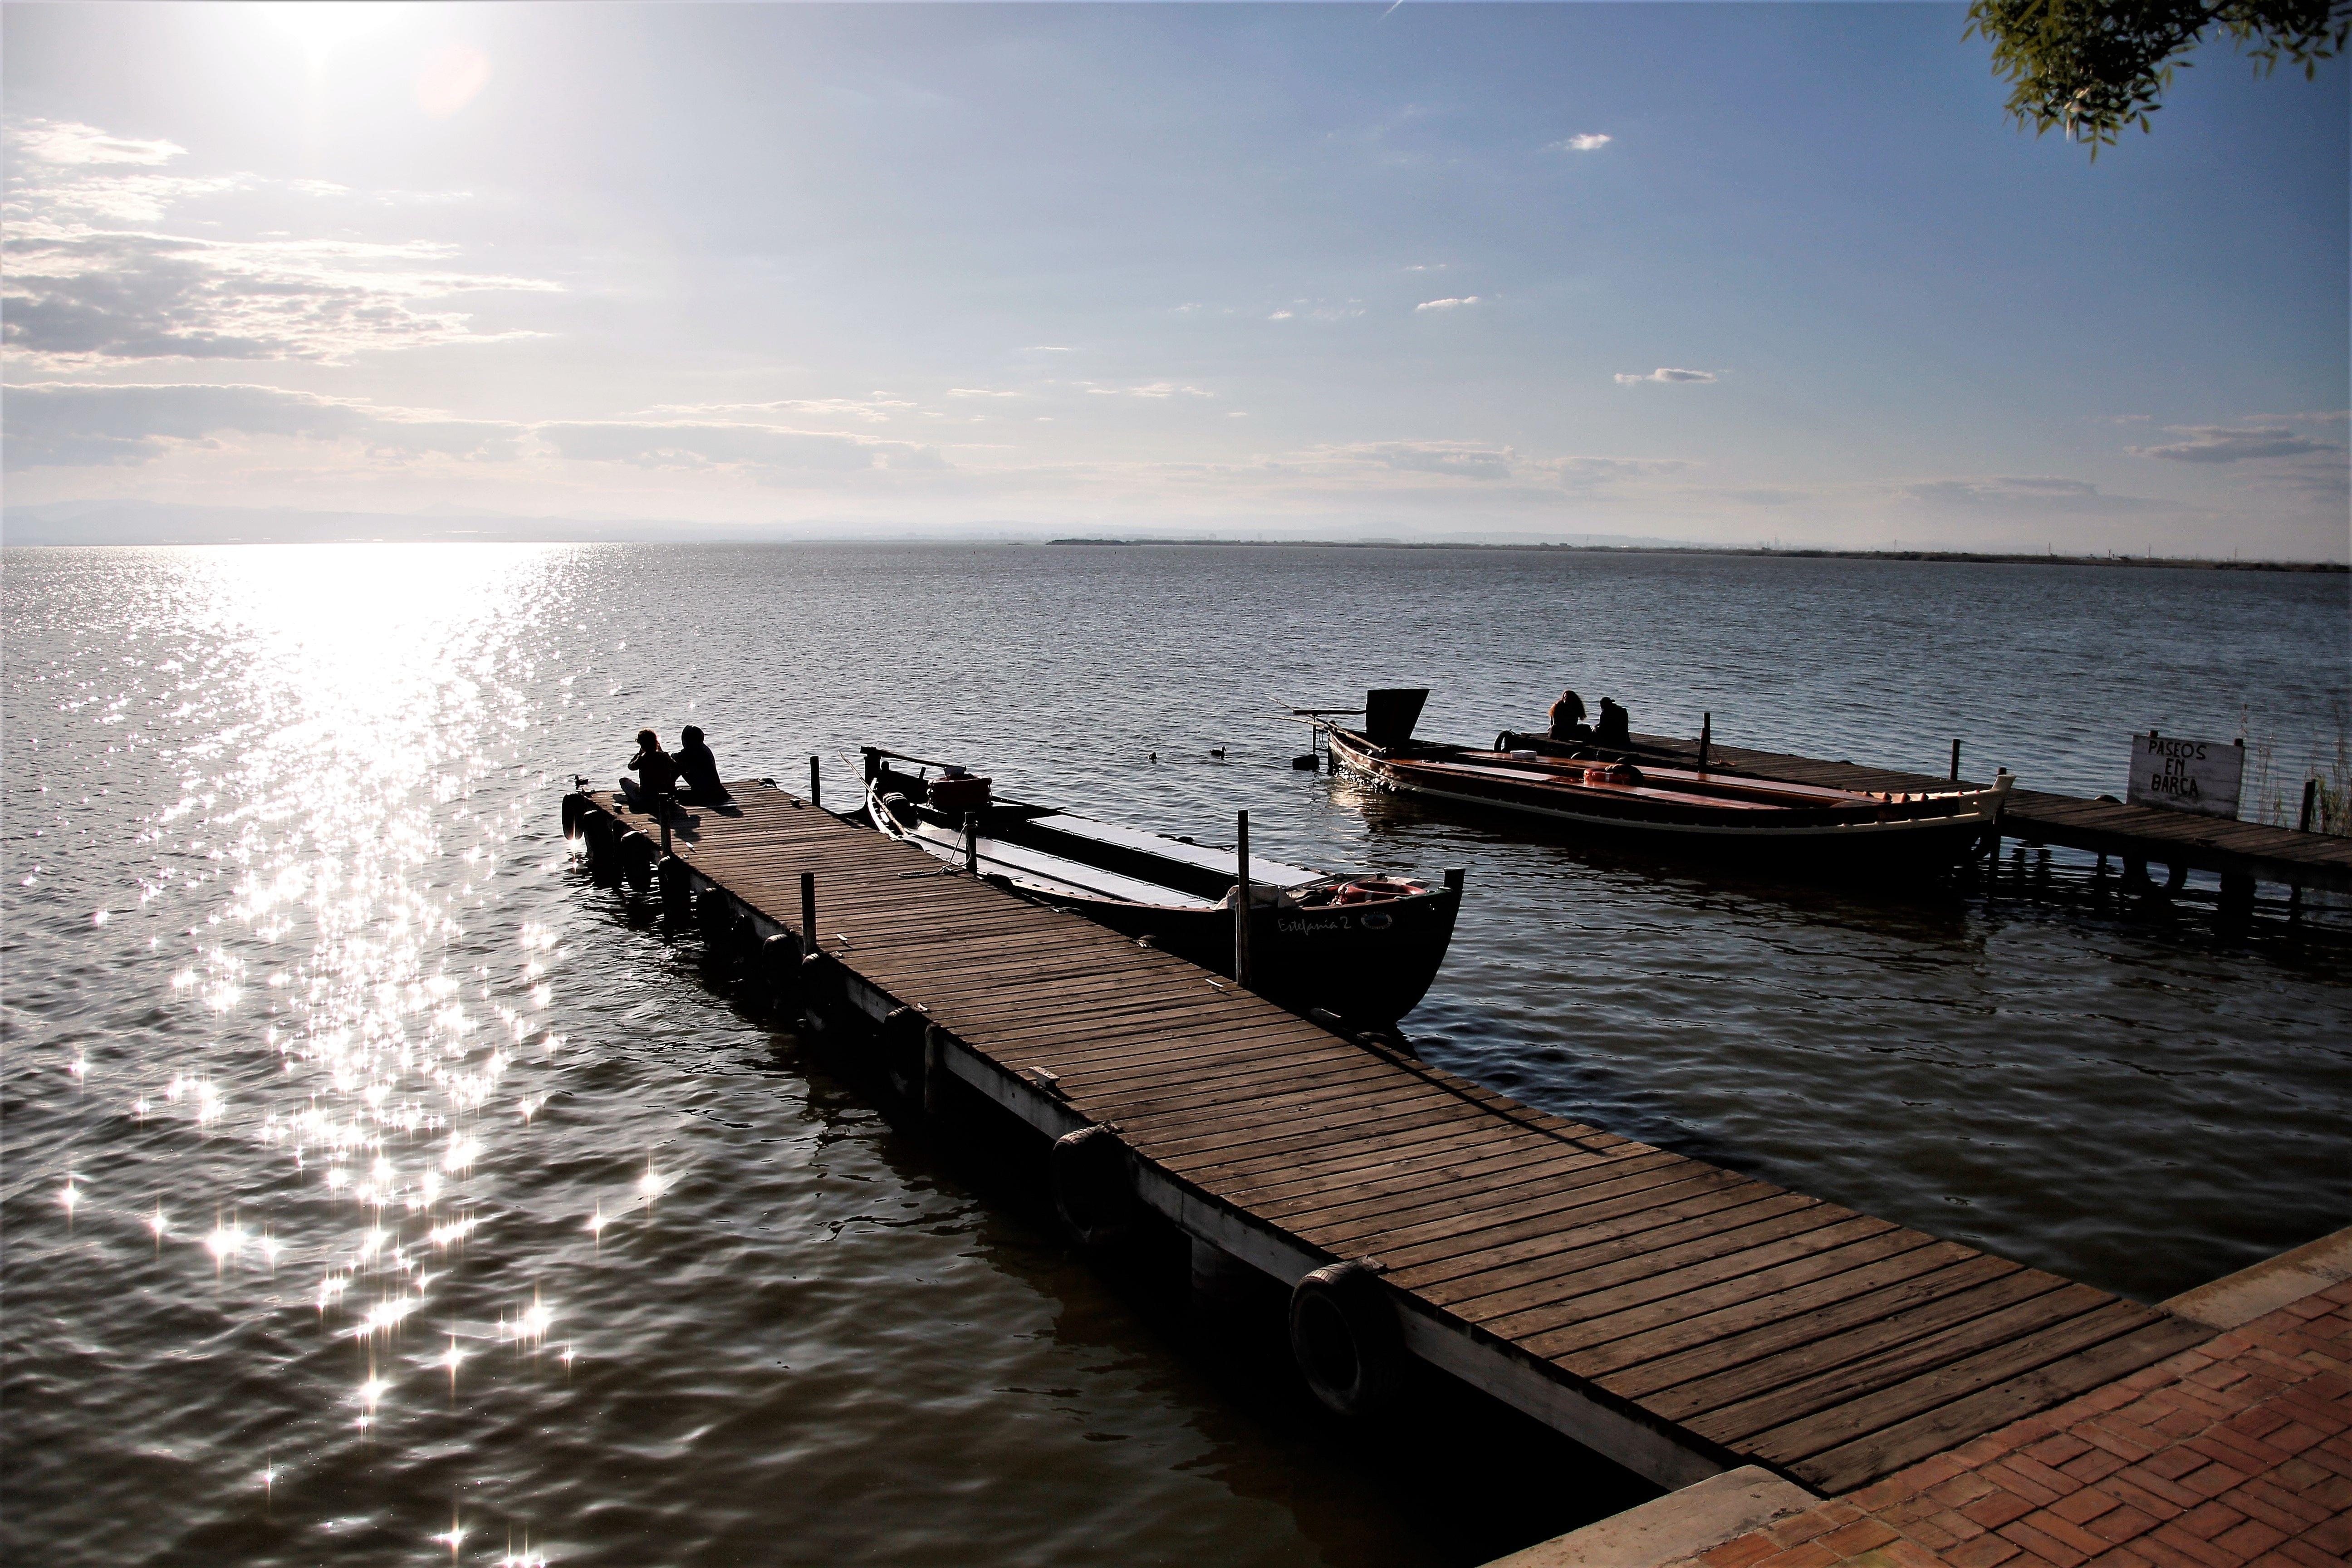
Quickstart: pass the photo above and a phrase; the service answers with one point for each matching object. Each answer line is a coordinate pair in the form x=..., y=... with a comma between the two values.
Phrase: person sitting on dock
x=656, y=785
x=700, y=770
x=1568, y=718
x=1614, y=729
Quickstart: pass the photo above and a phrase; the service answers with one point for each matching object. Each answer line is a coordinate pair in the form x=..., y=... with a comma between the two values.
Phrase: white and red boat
x=1620, y=792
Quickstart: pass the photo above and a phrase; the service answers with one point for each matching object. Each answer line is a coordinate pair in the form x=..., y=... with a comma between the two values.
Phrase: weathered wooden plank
x=1864, y=1460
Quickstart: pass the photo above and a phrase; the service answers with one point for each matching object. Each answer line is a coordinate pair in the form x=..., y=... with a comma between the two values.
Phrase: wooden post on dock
x=816, y=791
x=2310, y=801
x=808, y=912
x=1705, y=738
x=971, y=842
x=1241, y=904
x=1956, y=760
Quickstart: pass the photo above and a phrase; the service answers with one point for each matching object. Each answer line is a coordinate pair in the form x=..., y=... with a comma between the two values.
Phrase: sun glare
x=322, y=27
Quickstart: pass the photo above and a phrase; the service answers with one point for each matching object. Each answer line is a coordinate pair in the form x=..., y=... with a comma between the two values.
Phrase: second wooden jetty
x=2241, y=853
x=1678, y=1318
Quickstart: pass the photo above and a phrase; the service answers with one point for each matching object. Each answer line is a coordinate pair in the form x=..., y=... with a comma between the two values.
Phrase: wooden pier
x=2242, y=853
x=1680, y=1318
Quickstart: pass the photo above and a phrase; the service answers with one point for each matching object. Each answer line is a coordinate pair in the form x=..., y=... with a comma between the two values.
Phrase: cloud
x=1046, y=348
x=70, y=424
x=1279, y=316
x=90, y=279
x=73, y=423
x=2026, y=493
x=1592, y=473
x=2227, y=444
x=1150, y=389
x=1447, y=304
x=698, y=445
x=1666, y=375
x=1456, y=460
x=876, y=409
x=1590, y=142
x=67, y=141
x=981, y=392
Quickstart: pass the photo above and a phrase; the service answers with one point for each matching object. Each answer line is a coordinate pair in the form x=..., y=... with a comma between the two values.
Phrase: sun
x=322, y=27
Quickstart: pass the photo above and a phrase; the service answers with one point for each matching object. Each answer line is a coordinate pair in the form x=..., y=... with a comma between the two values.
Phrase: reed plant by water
x=2274, y=795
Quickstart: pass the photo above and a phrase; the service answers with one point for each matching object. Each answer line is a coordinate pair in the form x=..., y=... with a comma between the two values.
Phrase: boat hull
x=1370, y=964
x=1367, y=963
x=1904, y=837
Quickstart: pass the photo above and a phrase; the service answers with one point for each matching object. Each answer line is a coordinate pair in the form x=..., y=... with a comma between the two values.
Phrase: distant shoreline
x=2189, y=563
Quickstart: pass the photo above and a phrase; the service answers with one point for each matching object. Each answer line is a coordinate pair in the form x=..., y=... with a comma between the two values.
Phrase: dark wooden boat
x=1620, y=793
x=1364, y=948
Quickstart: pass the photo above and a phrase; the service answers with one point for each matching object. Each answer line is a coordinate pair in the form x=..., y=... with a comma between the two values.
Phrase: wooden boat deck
x=1677, y=1317
x=2277, y=854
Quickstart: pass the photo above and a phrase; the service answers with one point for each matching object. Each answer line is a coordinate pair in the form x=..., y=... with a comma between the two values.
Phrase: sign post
x=2202, y=776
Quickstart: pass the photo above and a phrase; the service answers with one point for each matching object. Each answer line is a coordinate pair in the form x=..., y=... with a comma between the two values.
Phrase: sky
x=1739, y=274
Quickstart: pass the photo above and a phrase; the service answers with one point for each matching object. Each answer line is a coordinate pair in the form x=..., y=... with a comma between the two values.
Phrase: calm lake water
x=377, y=1190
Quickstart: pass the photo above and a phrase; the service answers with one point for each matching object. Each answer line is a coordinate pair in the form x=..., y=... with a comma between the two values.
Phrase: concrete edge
x=2240, y=1297
x=1680, y=1524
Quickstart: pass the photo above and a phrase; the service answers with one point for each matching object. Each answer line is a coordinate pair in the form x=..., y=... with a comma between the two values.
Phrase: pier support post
x=1705, y=738
x=971, y=842
x=2237, y=898
x=816, y=784
x=808, y=913
x=1956, y=760
x=1223, y=1285
x=1241, y=904
x=938, y=1089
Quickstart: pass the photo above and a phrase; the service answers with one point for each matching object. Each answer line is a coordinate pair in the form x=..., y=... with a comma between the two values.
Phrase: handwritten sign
x=2201, y=776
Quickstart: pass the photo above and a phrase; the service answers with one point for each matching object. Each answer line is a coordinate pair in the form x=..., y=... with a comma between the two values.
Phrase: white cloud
x=1592, y=473
x=1046, y=348
x=91, y=280
x=76, y=424
x=2027, y=493
x=67, y=141
x=1279, y=316
x=73, y=423
x=876, y=409
x=2229, y=444
x=981, y=391
x=1455, y=459
x=687, y=444
x=1590, y=142
x=1667, y=375
x=1448, y=304
x=1150, y=389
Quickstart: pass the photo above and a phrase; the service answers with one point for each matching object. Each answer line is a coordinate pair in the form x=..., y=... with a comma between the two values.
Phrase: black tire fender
x=575, y=806
x=1344, y=1338
x=902, y=1050
x=637, y=857
x=1094, y=1187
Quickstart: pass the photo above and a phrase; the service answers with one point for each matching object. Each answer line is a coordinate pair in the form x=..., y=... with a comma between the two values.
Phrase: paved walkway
x=2237, y=1454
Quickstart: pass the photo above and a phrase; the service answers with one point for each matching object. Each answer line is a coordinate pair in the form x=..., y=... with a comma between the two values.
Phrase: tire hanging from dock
x=1344, y=1336
x=1094, y=1191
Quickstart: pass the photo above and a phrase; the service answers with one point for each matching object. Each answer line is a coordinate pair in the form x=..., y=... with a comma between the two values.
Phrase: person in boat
x=1568, y=718
x=1614, y=729
x=700, y=769
x=656, y=782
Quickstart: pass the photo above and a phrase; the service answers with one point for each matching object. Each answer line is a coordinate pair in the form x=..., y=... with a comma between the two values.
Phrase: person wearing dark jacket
x=1568, y=718
x=700, y=770
x=657, y=771
x=1614, y=729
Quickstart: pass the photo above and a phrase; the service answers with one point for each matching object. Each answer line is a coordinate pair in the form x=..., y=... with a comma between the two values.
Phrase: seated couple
x=659, y=773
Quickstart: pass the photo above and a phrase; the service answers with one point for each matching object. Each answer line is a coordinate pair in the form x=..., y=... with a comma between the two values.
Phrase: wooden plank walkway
x=1677, y=1317
x=2277, y=854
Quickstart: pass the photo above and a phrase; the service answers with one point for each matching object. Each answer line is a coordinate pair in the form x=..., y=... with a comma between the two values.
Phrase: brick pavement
x=2237, y=1454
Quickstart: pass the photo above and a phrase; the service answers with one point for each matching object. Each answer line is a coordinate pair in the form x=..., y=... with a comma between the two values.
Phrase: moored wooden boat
x=1622, y=794
x=1364, y=948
